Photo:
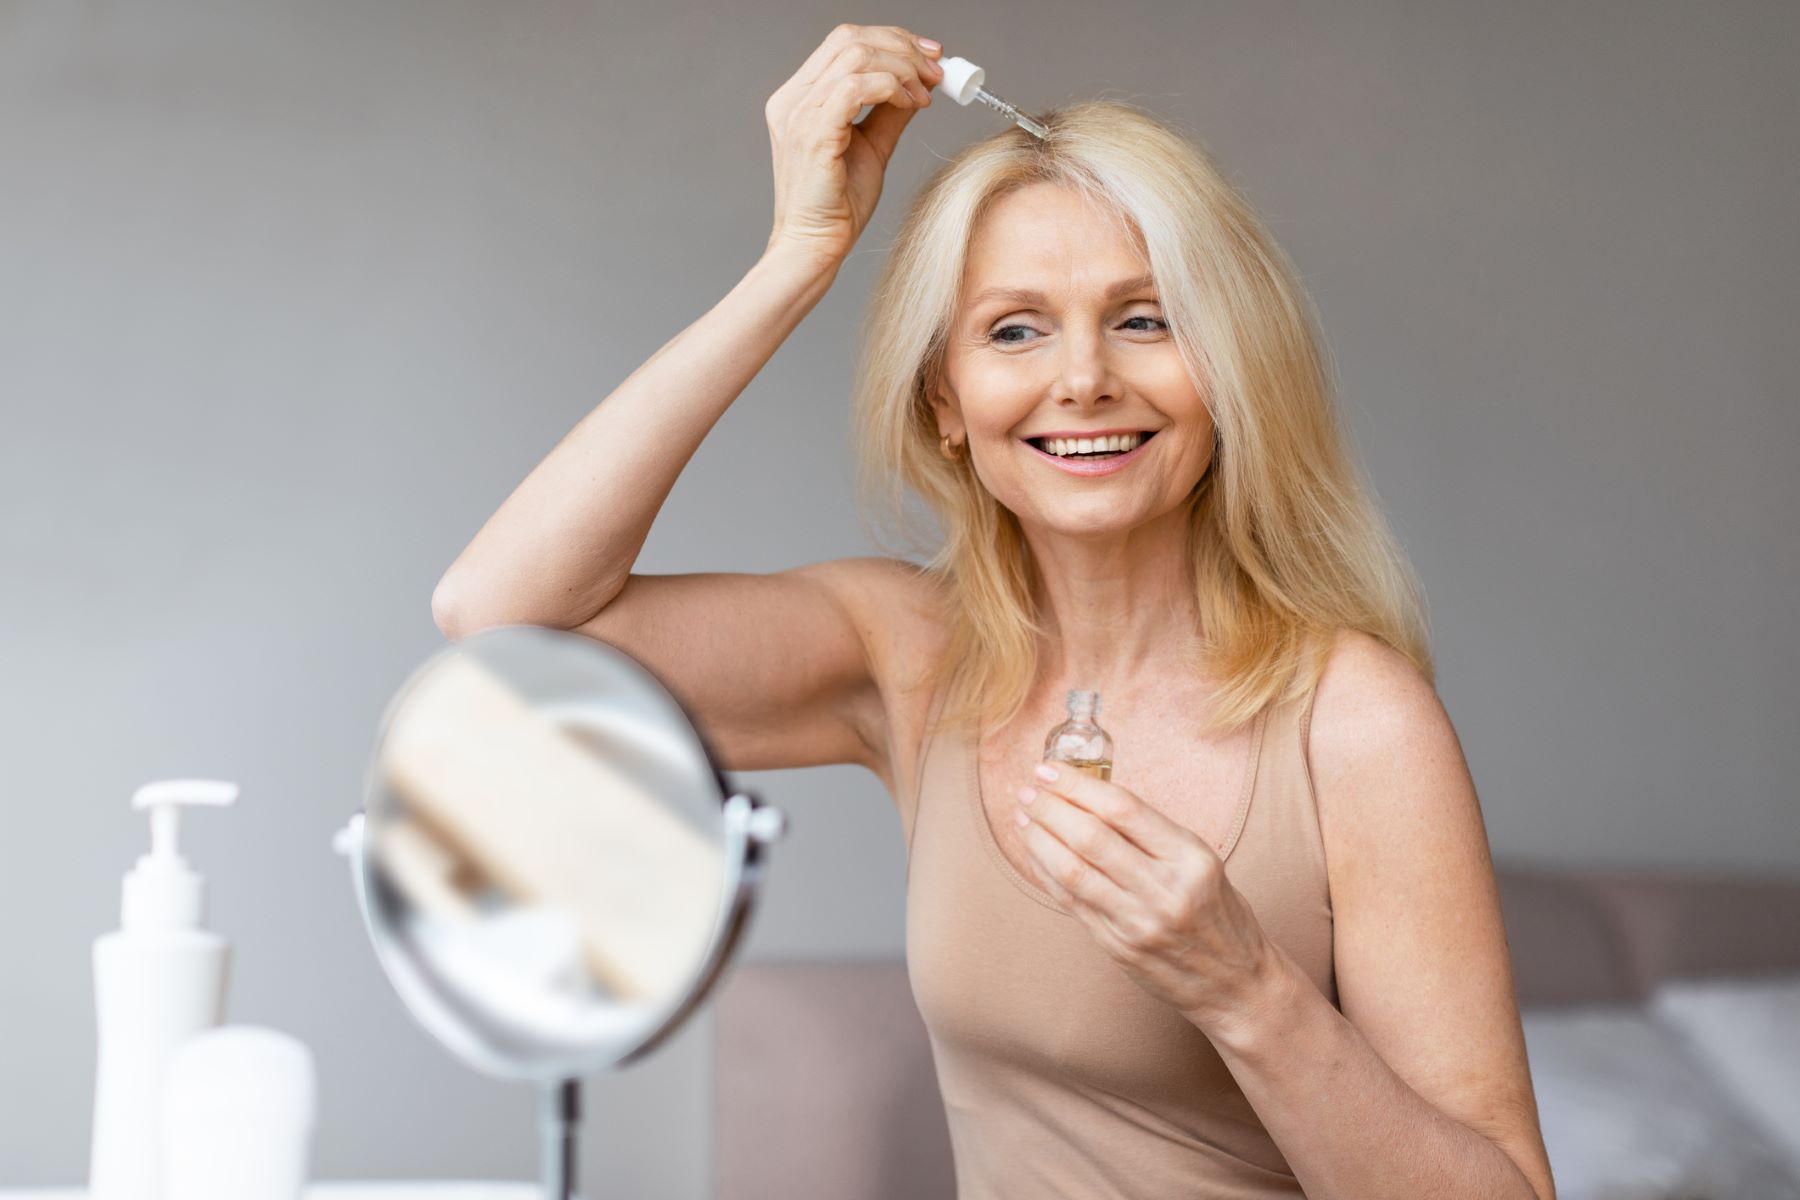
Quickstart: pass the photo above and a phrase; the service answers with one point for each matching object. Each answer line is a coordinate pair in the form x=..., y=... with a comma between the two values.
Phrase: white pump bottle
x=158, y=979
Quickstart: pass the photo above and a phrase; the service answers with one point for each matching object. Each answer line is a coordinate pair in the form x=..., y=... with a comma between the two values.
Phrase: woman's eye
x=998, y=335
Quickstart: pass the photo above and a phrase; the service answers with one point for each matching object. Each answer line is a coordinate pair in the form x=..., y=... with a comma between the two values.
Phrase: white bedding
x=1629, y=1114
x=1747, y=1032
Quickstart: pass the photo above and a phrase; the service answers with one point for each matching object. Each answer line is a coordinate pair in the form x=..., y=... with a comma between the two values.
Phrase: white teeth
x=1066, y=446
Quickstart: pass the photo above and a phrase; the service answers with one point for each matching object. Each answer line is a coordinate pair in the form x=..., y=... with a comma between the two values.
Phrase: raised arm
x=561, y=546
x=775, y=668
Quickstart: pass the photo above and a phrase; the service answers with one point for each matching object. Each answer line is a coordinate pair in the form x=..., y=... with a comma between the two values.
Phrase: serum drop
x=1079, y=741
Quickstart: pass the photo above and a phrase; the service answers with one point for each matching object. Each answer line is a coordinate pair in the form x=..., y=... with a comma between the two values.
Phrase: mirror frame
x=749, y=825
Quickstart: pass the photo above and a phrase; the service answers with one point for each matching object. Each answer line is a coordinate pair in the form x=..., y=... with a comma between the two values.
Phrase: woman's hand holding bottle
x=828, y=166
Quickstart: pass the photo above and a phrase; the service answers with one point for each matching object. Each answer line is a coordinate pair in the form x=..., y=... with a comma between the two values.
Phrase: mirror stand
x=559, y=1124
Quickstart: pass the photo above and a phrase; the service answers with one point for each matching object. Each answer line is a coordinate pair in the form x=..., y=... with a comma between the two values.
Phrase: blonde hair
x=1287, y=545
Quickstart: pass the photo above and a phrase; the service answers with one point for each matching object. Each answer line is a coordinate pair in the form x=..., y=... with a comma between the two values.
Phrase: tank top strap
x=1279, y=860
x=1283, y=814
x=913, y=790
x=1306, y=718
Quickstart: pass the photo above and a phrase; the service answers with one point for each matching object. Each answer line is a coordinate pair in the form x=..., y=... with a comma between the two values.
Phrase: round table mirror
x=550, y=864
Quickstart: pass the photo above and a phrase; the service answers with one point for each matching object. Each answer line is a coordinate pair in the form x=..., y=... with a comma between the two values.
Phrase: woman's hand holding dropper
x=560, y=550
x=828, y=166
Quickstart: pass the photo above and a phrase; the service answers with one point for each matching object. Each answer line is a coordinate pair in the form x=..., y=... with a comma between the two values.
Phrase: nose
x=1084, y=374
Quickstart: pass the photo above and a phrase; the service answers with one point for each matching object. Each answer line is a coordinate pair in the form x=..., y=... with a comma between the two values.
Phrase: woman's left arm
x=1420, y=1085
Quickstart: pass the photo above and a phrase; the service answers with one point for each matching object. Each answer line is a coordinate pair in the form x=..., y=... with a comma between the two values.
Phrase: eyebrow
x=1030, y=296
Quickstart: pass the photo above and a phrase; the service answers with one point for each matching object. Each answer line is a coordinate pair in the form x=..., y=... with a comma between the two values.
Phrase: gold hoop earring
x=946, y=451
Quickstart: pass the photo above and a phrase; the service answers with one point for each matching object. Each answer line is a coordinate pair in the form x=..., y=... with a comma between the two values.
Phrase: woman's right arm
x=563, y=543
x=776, y=668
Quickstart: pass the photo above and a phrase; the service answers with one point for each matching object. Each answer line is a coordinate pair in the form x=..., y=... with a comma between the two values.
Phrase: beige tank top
x=1060, y=1075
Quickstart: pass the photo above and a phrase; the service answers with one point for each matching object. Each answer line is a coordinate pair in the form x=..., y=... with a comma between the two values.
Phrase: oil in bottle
x=1079, y=741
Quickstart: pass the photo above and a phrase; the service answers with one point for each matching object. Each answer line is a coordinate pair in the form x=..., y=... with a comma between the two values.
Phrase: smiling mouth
x=1039, y=444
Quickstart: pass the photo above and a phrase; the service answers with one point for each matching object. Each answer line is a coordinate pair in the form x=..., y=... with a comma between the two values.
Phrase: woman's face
x=1044, y=344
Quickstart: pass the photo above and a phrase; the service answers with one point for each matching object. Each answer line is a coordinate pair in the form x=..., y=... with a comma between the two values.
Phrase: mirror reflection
x=543, y=851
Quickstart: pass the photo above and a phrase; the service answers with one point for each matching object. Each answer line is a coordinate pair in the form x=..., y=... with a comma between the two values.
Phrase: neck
x=1115, y=607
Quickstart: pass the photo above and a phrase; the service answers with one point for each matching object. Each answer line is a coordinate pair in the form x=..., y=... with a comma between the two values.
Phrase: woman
x=1266, y=957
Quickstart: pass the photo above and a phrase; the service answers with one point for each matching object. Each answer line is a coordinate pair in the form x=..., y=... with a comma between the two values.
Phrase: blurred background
x=293, y=294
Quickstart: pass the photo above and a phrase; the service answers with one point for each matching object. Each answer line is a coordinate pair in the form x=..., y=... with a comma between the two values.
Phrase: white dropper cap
x=962, y=79
x=162, y=891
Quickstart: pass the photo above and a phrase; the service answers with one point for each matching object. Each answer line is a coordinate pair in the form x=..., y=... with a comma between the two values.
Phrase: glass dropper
x=962, y=83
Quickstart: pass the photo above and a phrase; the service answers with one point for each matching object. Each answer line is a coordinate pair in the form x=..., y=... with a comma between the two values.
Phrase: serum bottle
x=1079, y=741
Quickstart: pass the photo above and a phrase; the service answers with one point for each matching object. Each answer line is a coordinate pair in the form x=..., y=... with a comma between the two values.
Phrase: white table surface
x=349, y=1191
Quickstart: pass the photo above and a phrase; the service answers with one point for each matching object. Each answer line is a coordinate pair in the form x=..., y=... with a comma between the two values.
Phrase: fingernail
x=928, y=44
x=1045, y=771
x=1027, y=794
x=1021, y=820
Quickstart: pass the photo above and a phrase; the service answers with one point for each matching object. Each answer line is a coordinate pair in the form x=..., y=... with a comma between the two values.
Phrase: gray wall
x=292, y=295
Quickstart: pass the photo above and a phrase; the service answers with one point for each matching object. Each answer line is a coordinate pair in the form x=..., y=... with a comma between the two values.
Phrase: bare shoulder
x=1374, y=704
x=1387, y=767
x=901, y=612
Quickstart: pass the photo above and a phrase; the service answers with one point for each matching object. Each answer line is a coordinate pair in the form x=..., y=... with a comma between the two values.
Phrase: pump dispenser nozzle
x=962, y=83
x=162, y=891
